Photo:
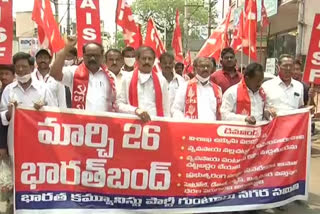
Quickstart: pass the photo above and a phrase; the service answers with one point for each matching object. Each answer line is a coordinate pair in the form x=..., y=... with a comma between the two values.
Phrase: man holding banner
x=144, y=92
x=93, y=86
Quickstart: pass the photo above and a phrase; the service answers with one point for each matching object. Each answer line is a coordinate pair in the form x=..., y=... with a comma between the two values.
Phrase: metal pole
x=300, y=28
x=185, y=25
x=56, y=9
x=68, y=19
x=209, y=19
x=115, y=21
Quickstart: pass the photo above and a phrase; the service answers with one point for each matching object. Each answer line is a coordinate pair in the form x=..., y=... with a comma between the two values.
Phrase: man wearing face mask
x=246, y=101
x=199, y=98
x=283, y=92
x=71, y=58
x=41, y=73
x=129, y=58
x=114, y=63
x=93, y=86
x=174, y=80
x=144, y=92
x=229, y=75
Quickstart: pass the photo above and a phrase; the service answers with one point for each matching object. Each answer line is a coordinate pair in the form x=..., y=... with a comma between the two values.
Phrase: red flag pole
x=261, y=44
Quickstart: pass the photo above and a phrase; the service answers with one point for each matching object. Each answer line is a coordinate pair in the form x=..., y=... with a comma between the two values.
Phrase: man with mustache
x=228, y=76
x=129, y=59
x=199, y=98
x=174, y=79
x=144, y=92
x=246, y=101
x=114, y=63
x=41, y=73
x=92, y=85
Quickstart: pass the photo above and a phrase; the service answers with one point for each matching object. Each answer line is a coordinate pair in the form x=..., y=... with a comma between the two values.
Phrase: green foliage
x=120, y=42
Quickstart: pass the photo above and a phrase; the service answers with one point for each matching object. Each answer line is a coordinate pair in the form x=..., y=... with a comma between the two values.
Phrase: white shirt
x=99, y=89
x=119, y=77
x=175, y=83
x=207, y=103
x=36, y=92
x=229, y=105
x=146, y=94
x=281, y=97
x=57, y=89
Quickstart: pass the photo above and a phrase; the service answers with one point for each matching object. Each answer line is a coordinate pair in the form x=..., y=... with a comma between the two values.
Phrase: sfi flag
x=6, y=34
x=264, y=16
x=250, y=30
x=312, y=69
x=177, y=41
x=237, y=39
x=124, y=19
x=153, y=39
x=88, y=23
x=48, y=30
x=218, y=40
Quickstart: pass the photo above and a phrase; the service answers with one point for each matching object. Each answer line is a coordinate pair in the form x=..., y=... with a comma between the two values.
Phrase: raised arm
x=56, y=68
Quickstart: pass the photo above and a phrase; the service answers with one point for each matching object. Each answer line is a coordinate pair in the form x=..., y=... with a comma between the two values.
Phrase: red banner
x=6, y=32
x=312, y=69
x=91, y=163
x=88, y=23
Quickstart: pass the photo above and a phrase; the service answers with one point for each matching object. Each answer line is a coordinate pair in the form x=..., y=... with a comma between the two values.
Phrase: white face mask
x=129, y=61
x=68, y=62
x=201, y=79
x=23, y=79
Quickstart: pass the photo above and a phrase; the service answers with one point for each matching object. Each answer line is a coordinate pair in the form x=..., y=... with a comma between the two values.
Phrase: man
x=114, y=62
x=6, y=76
x=71, y=58
x=25, y=91
x=214, y=68
x=129, y=58
x=93, y=86
x=144, y=92
x=174, y=80
x=199, y=98
x=41, y=73
x=179, y=66
x=283, y=92
x=246, y=100
x=228, y=76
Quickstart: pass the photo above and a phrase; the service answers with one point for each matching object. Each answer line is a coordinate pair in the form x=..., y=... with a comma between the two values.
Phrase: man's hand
x=11, y=105
x=251, y=120
x=3, y=154
x=269, y=113
x=144, y=116
x=311, y=93
x=71, y=42
x=38, y=105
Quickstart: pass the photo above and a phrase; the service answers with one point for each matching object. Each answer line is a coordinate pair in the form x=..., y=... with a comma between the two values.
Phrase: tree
x=120, y=42
x=163, y=14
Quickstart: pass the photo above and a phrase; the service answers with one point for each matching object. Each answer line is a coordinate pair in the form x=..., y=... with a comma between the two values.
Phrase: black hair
x=297, y=62
x=252, y=68
x=74, y=51
x=145, y=48
x=95, y=43
x=282, y=56
x=213, y=60
x=112, y=50
x=166, y=55
x=7, y=67
x=227, y=50
x=22, y=55
x=44, y=51
x=179, y=63
x=127, y=49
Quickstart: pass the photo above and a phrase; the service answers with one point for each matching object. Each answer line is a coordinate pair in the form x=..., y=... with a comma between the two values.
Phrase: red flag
x=139, y=35
x=153, y=39
x=177, y=40
x=124, y=19
x=218, y=40
x=264, y=16
x=48, y=30
x=187, y=63
x=236, y=43
x=250, y=30
x=6, y=34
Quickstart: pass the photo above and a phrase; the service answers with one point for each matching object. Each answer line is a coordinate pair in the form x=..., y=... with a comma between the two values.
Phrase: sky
x=107, y=10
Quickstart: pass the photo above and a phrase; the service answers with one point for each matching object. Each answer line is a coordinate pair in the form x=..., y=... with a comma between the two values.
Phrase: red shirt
x=224, y=80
